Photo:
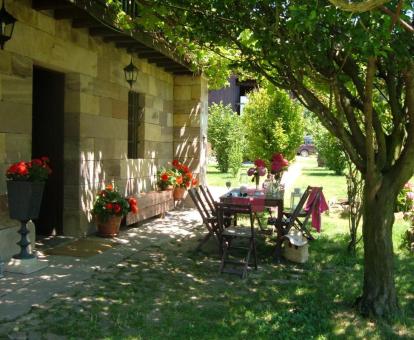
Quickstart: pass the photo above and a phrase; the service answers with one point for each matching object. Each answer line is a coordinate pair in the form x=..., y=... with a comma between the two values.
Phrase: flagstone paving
x=19, y=294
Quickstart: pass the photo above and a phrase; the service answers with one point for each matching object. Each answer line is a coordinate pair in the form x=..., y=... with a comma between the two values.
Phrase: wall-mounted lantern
x=131, y=73
x=7, y=22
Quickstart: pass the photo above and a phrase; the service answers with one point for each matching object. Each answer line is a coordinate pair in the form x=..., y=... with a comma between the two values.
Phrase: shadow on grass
x=174, y=292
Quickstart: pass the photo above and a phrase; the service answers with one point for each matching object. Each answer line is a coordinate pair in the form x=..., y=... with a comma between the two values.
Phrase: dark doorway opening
x=47, y=140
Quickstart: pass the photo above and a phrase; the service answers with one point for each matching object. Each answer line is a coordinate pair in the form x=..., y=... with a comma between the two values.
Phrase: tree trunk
x=379, y=296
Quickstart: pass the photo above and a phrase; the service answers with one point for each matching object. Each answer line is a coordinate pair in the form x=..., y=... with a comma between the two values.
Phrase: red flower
x=109, y=187
x=185, y=168
x=164, y=177
x=189, y=175
x=21, y=169
x=132, y=201
x=259, y=163
x=108, y=206
x=194, y=181
x=187, y=184
x=179, y=179
x=37, y=161
x=175, y=163
x=134, y=209
x=117, y=208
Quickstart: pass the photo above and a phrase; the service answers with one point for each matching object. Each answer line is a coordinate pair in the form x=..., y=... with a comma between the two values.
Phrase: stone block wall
x=96, y=111
x=190, y=123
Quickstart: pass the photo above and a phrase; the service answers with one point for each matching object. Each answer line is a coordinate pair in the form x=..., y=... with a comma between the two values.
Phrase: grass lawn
x=175, y=293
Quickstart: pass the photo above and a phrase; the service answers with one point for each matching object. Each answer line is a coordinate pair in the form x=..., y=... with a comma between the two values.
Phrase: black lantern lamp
x=131, y=73
x=7, y=22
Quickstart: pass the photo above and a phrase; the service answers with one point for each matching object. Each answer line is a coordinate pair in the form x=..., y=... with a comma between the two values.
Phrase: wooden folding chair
x=301, y=220
x=209, y=220
x=298, y=218
x=208, y=197
x=228, y=234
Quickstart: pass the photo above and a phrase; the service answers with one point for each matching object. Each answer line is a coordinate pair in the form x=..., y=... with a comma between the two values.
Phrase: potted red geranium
x=109, y=209
x=25, y=184
x=183, y=180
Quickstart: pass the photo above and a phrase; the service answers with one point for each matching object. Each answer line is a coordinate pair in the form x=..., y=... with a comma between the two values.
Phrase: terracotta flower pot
x=179, y=193
x=109, y=227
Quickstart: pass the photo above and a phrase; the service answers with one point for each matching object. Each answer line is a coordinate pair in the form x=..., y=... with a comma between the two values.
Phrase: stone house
x=63, y=94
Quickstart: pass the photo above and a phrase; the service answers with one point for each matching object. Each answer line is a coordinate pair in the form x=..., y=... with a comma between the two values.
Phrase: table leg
x=279, y=233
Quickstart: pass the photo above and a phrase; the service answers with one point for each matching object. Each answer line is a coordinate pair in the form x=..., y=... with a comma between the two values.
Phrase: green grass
x=334, y=186
x=175, y=293
x=218, y=179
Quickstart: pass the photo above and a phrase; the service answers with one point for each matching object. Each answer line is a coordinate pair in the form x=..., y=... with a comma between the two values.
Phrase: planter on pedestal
x=24, y=200
x=108, y=227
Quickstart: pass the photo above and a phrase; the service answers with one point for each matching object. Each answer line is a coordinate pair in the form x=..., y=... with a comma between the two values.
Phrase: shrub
x=273, y=123
x=330, y=151
x=226, y=135
x=405, y=198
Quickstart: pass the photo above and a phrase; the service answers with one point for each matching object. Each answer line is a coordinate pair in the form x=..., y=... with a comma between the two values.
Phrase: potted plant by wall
x=183, y=180
x=25, y=185
x=166, y=179
x=109, y=209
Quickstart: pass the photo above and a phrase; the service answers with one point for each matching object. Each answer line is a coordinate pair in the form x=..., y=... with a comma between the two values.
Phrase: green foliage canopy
x=273, y=123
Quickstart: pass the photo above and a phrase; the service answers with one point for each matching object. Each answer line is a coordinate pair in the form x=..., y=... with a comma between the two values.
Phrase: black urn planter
x=25, y=199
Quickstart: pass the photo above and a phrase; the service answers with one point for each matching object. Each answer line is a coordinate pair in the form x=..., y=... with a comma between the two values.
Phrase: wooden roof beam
x=126, y=44
x=85, y=23
x=159, y=59
x=152, y=54
x=119, y=38
x=41, y=5
x=102, y=32
x=69, y=13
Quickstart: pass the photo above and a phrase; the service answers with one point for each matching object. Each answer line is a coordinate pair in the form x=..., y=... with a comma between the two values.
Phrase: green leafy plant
x=273, y=123
x=330, y=151
x=226, y=135
x=109, y=202
x=405, y=199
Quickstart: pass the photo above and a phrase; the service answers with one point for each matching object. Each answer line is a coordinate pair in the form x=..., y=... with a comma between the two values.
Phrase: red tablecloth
x=256, y=200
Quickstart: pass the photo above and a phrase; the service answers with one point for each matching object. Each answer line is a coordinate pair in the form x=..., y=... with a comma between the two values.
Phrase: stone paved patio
x=19, y=293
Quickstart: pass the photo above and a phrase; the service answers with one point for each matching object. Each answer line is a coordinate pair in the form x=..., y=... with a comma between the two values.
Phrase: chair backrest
x=316, y=191
x=299, y=208
x=208, y=197
x=227, y=210
x=310, y=193
x=205, y=213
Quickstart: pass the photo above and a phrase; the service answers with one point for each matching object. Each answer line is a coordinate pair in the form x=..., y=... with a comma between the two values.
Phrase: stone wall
x=96, y=111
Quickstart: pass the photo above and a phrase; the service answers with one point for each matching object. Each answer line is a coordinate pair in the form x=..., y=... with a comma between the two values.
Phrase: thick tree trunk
x=379, y=296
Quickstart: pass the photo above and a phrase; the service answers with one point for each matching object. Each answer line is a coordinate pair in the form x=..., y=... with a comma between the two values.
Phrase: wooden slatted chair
x=208, y=197
x=301, y=220
x=229, y=234
x=209, y=220
x=298, y=218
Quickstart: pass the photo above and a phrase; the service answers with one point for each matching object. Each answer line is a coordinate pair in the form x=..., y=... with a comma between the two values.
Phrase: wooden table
x=260, y=201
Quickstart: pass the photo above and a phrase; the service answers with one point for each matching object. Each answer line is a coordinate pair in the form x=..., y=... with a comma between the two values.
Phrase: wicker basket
x=295, y=253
